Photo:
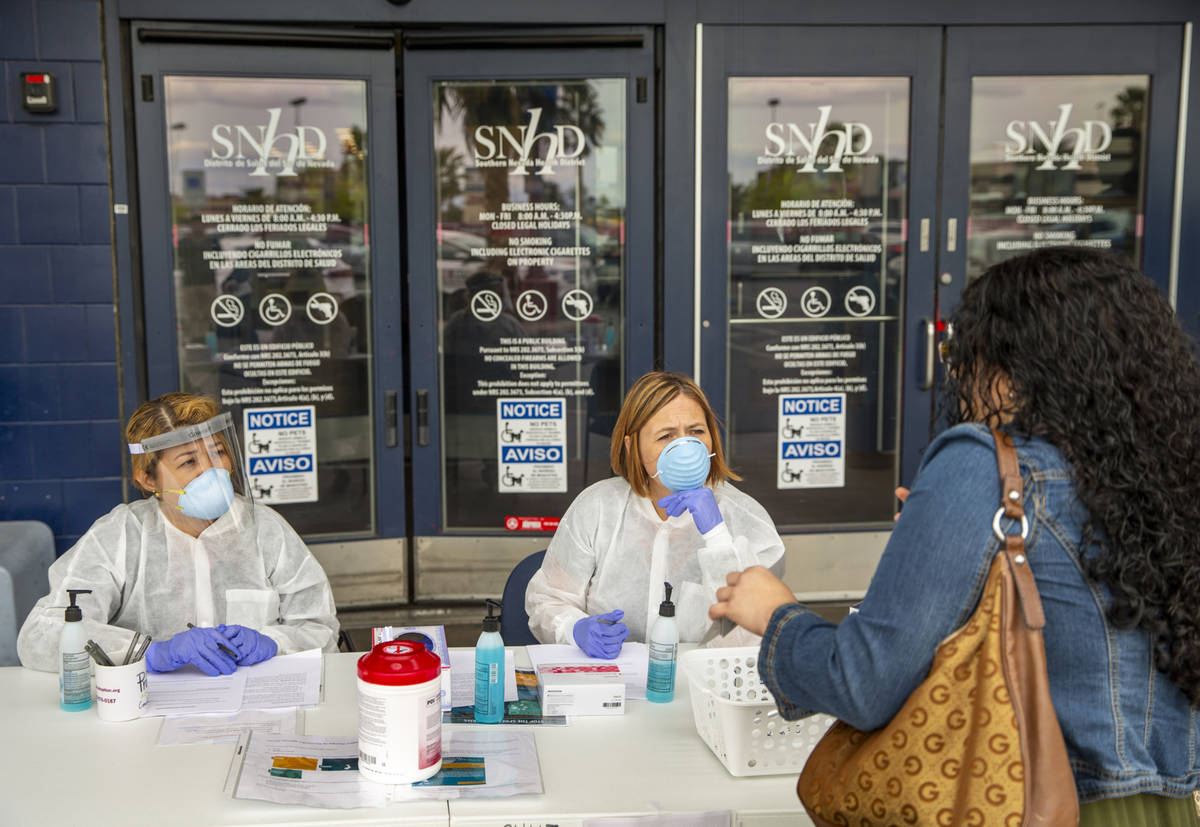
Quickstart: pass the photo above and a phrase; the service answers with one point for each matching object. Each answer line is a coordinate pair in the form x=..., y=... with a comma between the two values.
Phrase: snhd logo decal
x=1031, y=141
x=851, y=142
x=493, y=142
x=285, y=150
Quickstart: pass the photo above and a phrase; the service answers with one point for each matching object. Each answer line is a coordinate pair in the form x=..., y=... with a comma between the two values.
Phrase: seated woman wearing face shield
x=217, y=580
x=670, y=517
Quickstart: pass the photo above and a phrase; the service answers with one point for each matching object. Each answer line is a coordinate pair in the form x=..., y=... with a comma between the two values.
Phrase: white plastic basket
x=736, y=715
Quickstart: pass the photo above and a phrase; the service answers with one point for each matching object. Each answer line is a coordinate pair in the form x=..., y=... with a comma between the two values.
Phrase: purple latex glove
x=199, y=646
x=601, y=636
x=250, y=645
x=699, y=501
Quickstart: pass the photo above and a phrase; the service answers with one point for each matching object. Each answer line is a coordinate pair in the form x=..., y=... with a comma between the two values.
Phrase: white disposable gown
x=613, y=551
x=148, y=576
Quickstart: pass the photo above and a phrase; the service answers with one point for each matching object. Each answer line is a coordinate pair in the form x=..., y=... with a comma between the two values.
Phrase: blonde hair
x=166, y=413
x=649, y=395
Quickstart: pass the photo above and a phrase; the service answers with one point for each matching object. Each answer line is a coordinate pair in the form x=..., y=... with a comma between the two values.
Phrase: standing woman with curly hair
x=1077, y=356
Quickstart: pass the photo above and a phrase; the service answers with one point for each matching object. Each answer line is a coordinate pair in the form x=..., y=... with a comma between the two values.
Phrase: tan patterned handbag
x=977, y=743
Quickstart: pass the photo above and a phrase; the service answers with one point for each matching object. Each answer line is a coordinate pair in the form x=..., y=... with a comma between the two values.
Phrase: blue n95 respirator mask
x=211, y=445
x=683, y=464
x=208, y=496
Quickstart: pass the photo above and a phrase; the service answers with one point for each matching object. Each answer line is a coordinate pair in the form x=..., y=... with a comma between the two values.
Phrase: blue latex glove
x=601, y=636
x=198, y=646
x=699, y=501
x=250, y=645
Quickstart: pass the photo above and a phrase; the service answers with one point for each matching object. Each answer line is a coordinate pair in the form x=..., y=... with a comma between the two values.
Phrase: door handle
x=391, y=431
x=422, y=417
x=930, y=351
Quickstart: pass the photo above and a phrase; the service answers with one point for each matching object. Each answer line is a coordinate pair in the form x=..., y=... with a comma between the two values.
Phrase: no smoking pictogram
x=227, y=311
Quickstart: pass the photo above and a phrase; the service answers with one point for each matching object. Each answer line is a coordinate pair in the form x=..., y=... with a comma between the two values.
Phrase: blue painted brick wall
x=60, y=437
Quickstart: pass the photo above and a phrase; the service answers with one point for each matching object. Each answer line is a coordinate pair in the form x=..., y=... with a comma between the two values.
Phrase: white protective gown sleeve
x=147, y=576
x=613, y=551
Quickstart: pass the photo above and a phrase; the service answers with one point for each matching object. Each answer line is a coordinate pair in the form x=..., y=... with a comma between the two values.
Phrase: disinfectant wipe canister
x=399, y=713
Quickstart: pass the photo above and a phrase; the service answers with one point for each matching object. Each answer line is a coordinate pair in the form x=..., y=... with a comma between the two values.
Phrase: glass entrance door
x=850, y=187
x=268, y=221
x=819, y=157
x=531, y=286
x=1069, y=141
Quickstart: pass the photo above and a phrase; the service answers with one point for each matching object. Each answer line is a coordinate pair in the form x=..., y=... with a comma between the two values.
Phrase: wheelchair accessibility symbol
x=531, y=305
x=275, y=309
x=227, y=311
x=815, y=302
x=771, y=303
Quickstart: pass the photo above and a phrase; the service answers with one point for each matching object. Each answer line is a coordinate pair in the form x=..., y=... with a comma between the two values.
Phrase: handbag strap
x=1014, y=544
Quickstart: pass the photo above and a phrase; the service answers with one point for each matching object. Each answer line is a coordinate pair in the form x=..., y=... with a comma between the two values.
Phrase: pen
x=98, y=654
x=224, y=649
x=141, y=650
x=132, y=646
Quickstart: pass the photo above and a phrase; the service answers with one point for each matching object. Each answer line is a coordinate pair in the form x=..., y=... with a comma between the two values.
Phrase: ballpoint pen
x=132, y=646
x=224, y=649
x=141, y=650
x=98, y=654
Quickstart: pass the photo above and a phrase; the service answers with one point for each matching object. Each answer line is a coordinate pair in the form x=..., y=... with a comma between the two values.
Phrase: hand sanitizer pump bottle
x=74, y=663
x=664, y=647
x=489, y=670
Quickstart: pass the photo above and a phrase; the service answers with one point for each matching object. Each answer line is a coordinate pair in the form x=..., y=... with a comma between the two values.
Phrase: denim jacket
x=1128, y=728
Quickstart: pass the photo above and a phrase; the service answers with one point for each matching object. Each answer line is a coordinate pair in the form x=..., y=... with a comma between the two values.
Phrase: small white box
x=581, y=689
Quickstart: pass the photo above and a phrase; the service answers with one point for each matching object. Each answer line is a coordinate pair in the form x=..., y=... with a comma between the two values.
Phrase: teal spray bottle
x=74, y=663
x=489, y=670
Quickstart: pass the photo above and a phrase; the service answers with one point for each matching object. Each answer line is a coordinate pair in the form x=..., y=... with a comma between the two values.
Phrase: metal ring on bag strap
x=1001, y=534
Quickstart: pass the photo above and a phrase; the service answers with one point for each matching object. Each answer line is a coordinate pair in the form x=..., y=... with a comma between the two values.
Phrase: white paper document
x=462, y=677
x=290, y=680
x=281, y=681
x=188, y=691
x=633, y=662
x=322, y=771
x=716, y=818
x=216, y=729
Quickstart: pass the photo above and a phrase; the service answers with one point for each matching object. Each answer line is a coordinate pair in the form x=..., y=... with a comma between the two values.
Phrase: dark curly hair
x=1080, y=348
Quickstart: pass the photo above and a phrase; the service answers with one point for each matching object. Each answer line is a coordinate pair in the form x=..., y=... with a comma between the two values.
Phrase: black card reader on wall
x=39, y=92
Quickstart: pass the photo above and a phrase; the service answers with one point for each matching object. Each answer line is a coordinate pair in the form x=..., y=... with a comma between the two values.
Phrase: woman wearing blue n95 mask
x=196, y=552
x=670, y=516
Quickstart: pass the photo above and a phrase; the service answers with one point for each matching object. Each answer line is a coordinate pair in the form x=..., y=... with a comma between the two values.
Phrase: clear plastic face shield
x=197, y=472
